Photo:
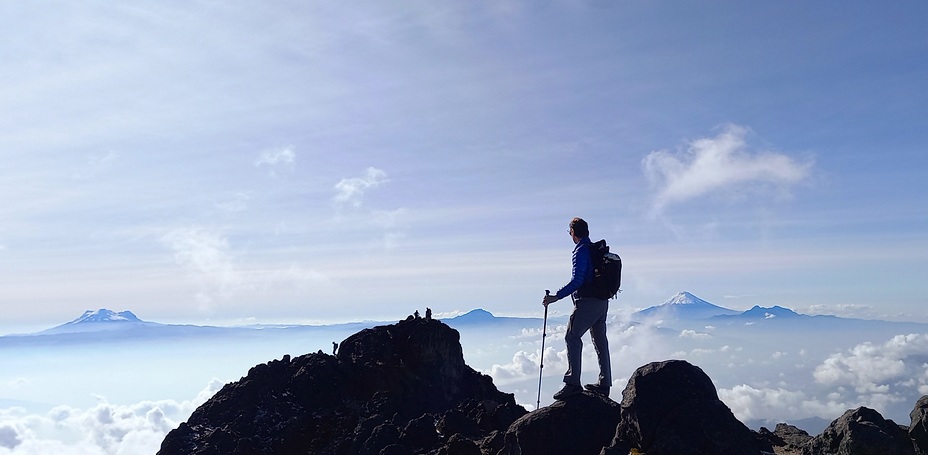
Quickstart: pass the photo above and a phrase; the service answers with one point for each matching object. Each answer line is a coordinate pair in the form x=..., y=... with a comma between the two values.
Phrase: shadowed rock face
x=918, y=430
x=861, y=431
x=582, y=425
x=672, y=407
x=403, y=386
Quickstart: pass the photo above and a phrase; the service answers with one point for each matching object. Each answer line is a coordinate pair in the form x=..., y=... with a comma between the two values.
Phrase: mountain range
x=683, y=306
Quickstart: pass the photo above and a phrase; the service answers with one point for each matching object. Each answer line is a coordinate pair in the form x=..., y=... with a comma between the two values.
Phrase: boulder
x=672, y=407
x=861, y=431
x=583, y=424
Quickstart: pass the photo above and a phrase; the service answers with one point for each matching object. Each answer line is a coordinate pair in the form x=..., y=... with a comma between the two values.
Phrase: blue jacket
x=582, y=271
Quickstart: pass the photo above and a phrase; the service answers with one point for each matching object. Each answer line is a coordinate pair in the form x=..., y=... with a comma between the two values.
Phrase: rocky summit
x=395, y=389
x=404, y=389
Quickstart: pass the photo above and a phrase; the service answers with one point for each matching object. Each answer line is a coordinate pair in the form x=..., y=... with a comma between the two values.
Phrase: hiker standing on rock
x=589, y=314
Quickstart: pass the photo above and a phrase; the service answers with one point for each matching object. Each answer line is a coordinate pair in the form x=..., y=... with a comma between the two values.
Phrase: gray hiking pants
x=589, y=314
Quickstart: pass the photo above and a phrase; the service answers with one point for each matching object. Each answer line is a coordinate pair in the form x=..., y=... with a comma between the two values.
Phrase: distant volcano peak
x=684, y=298
x=686, y=306
x=105, y=315
x=100, y=320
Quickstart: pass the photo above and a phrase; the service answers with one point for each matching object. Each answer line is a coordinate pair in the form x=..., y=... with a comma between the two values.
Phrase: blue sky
x=198, y=162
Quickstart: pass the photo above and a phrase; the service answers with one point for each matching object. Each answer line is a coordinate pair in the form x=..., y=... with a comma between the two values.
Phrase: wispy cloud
x=207, y=257
x=212, y=263
x=277, y=158
x=350, y=191
x=238, y=202
x=716, y=164
x=273, y=157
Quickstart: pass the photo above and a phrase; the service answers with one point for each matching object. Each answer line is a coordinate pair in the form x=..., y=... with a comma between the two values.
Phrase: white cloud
x=351, y=190
x=694, y=335
x=847, y=310
x=716, y=164
x=238, y=202
x=523, y=365
x=274, y=157
x=875, y=369
x=105, y=429
x=748, y=403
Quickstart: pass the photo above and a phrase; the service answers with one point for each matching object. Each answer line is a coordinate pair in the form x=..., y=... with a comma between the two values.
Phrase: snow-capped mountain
x=104, y=315
x=684, y=305
x=100, y=320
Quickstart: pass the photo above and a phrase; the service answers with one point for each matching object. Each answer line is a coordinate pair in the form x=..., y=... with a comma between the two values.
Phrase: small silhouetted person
x=334, y=347
x=428, y=313
x=416, y=314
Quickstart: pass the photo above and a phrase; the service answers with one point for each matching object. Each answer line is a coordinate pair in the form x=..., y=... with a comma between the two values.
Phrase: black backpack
x=607, y=271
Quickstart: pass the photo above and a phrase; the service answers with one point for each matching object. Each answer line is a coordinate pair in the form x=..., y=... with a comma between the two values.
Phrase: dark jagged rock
x=861, y=431
x=395, y=389
x=404, y=389
x=786, y=438
x=918, y=429
x=672, y=407
x=581, y=425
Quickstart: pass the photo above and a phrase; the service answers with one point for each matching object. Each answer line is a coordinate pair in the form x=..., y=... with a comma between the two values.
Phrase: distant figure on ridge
x=428, y=313
x=416, y=314
x=589, y=314
x=334, y=347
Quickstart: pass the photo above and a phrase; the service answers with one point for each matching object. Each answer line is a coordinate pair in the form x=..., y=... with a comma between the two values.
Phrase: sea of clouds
x=103, y=429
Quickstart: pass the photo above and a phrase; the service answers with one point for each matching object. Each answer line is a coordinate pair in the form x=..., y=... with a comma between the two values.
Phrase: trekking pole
x=541, y=365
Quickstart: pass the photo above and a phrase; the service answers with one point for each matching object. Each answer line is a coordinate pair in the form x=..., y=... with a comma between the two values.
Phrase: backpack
x=607, y=271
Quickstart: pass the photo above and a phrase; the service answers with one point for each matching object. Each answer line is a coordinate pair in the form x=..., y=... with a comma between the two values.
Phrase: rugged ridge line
x=404, y=389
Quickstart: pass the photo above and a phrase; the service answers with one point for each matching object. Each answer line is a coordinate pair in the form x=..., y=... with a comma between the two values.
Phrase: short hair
x=581, y=229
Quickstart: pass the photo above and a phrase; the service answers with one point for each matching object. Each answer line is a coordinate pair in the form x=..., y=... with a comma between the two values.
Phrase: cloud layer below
x=104, y=429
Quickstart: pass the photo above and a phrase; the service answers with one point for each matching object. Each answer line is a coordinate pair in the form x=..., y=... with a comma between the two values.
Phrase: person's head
x=579, y=229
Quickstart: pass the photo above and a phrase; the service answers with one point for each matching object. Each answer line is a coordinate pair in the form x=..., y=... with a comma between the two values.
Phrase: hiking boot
x=598, y=389
x=568, y=391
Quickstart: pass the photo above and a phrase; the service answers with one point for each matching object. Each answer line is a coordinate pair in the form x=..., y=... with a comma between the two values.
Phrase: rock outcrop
x=582, y=425
x=672, y=407
x=404, y=389
x=786, y=439
x=397, y=389
x=861, y=431
x=918, y=429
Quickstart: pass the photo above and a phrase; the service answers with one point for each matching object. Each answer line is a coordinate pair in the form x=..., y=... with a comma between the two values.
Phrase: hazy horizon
x=125, y=390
